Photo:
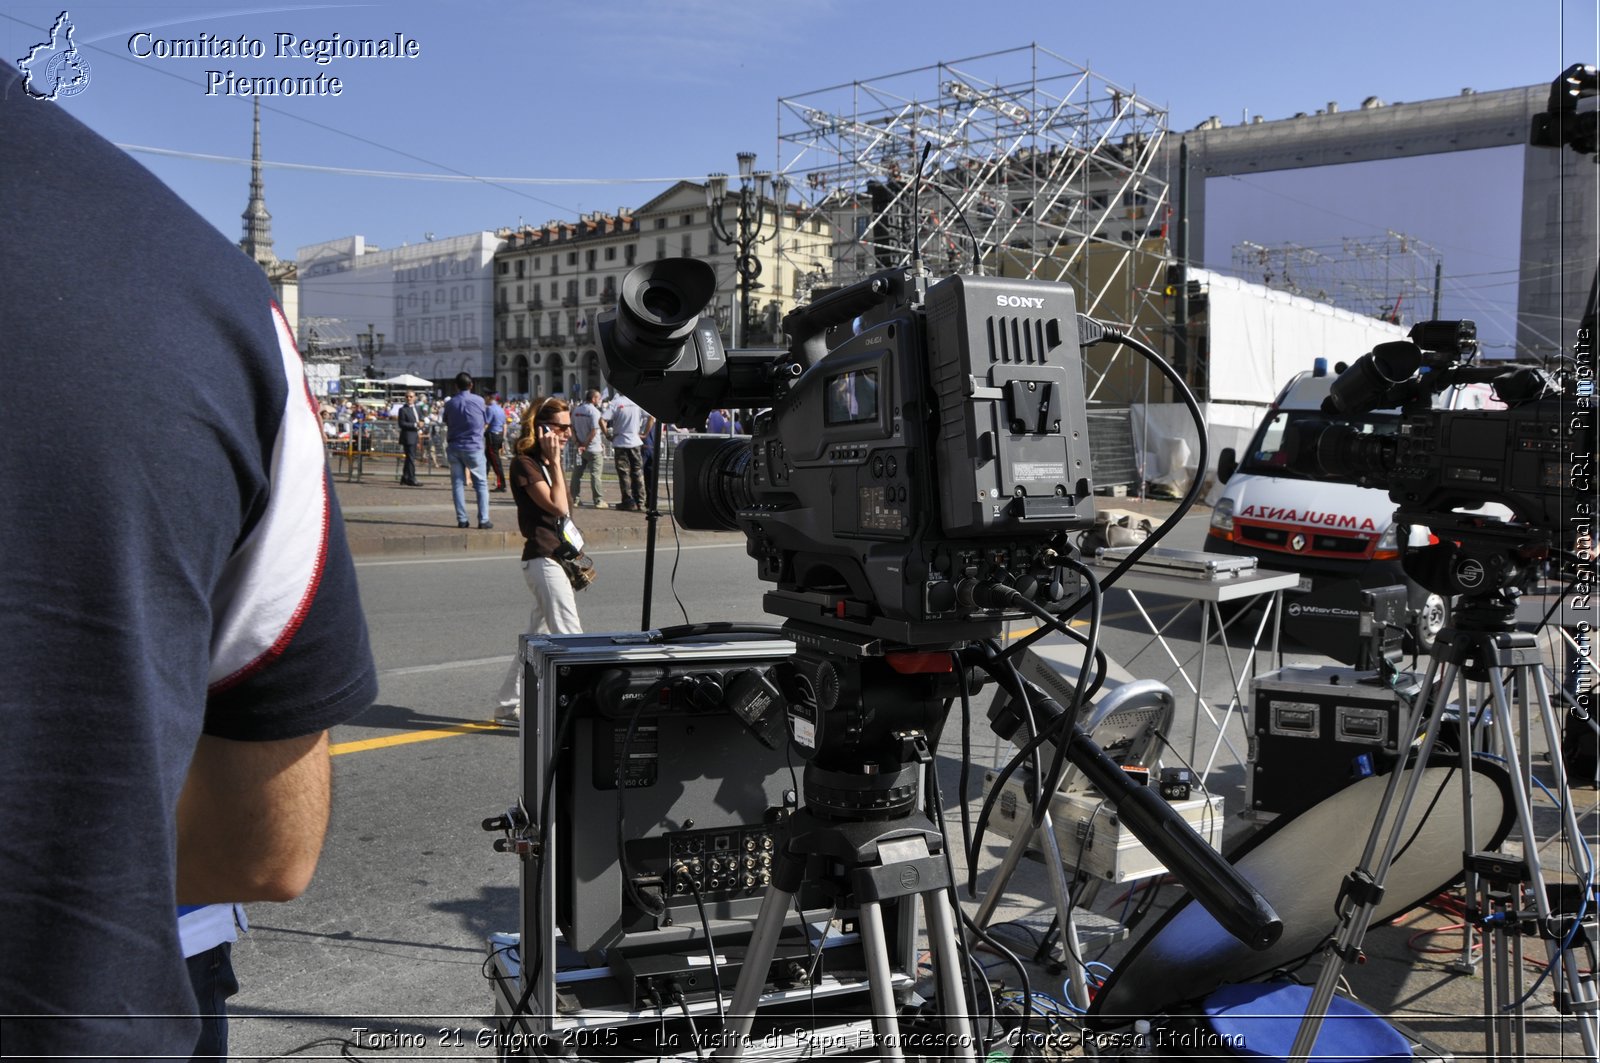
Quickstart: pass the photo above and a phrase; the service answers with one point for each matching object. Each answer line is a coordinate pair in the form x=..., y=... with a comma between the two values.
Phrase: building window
x=555, y=289
x=502, y=328
x=629, y=253
x=572, y=258
x=611, y=253
x=661, y=247
x=521, y=264
x=505, y=267
x=572, y=290
x=687, y=245
x=520, y=327
x=588, y=259
x=687, y=219
x=519, y=293
x=661, y=223
x=535, y=263
x=468, y=293
x=589, y=287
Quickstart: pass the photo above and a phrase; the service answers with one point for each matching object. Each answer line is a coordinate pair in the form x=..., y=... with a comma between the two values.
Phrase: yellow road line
x=472, y=728
x=411, y=736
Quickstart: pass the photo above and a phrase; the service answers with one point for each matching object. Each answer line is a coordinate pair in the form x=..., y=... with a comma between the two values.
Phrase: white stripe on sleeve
x=271, y=580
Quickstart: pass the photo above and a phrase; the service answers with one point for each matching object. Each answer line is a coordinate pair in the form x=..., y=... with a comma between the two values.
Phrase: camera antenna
x=916, y=210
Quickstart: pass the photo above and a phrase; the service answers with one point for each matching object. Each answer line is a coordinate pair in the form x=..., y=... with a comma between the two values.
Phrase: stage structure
x=1036, y=167
x=1394, y=277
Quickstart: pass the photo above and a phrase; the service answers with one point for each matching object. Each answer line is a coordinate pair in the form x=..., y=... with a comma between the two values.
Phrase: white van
x=1327, y=532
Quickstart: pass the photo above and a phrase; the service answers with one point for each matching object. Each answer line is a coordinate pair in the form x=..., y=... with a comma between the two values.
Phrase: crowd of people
x=610, y=430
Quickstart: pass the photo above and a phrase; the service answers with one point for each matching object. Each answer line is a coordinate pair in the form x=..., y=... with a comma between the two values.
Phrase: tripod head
x=1484, y=561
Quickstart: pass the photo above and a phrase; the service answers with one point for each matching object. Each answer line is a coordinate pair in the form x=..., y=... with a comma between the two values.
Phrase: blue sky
x=626, y=94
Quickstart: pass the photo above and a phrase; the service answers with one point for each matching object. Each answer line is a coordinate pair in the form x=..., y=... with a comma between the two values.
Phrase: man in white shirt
x=588, y=443
x=629, y=423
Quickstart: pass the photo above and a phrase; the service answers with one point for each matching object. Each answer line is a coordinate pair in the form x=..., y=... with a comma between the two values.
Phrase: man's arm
x=251, y=819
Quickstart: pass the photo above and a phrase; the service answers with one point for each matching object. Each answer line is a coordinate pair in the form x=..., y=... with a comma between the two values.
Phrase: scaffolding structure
x=1393, y=277
x=1031, y=166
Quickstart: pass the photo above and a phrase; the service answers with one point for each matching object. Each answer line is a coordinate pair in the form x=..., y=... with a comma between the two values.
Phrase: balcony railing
x=520, y=343
x=569, y=300
x=441, y=345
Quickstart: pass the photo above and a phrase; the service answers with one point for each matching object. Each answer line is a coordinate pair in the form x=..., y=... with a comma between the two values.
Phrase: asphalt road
x=383, y=957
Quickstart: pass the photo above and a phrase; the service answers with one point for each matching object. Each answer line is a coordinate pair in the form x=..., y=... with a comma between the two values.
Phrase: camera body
x=1534, y=457
x=916, y=440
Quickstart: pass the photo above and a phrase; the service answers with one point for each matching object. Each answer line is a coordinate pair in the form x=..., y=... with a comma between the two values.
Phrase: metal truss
x=1389, y=277
x=1031, y=166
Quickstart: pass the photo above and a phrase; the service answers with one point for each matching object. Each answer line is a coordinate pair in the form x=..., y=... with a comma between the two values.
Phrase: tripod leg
x=1356, y=912
x=1581, y=992
x=875, y=945
x=1002, y=876
x=753, y=976
x=947, y=968
x=1469, y=717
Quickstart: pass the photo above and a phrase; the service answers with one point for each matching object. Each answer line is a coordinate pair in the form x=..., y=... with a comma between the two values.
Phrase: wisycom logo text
x=55, y=69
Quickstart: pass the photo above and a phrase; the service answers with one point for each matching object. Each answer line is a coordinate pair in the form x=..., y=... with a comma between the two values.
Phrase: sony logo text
x=1022, y=302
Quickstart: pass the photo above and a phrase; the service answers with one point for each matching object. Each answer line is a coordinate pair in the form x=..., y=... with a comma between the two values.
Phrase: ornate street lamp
x=754, y=188
x=371, y=344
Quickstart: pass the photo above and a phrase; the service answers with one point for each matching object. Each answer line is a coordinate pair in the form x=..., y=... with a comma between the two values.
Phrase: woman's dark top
x=540, y=527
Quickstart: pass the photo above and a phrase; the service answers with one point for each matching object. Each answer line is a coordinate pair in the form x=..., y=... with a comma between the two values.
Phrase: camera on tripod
x=1439, y=463
x=920, y=446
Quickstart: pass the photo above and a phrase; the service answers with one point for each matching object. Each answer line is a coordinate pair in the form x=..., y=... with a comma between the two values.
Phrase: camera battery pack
x=1314, y=731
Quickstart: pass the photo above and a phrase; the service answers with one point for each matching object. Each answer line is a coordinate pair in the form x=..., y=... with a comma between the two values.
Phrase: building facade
x=424, y=309
x=553, y=281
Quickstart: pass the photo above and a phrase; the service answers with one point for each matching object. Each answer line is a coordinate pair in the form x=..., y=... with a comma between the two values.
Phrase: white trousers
x=554, y=612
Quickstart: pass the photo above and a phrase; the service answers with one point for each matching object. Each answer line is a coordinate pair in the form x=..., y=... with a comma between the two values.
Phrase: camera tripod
x=873, y=860
x=1500, y=886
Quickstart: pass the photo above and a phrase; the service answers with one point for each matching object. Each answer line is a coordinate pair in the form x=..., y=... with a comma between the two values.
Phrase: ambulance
x=1339, y=537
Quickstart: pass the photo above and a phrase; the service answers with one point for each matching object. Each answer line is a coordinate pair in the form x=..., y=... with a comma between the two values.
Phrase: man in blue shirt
x=464, y=418
x=495, y=432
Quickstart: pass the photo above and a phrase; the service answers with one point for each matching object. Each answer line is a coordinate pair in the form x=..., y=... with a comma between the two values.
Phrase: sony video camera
x=1534, y=457
x=919, y=445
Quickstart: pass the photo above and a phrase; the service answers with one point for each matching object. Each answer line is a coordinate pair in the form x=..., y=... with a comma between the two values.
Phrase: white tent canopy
x=406, y=380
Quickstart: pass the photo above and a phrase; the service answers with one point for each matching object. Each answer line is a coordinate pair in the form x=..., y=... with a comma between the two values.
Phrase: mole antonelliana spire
x=257, y=240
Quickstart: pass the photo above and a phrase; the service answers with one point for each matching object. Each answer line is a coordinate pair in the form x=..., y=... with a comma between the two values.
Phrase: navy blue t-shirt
x=173, y=562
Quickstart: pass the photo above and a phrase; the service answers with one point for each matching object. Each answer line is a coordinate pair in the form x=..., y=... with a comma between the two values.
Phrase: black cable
x=677, y=549
x=628, y=885
x=546, y=824
x=694, y=1034
x=711, y=948
x=1064, y=726
x=1091, y=332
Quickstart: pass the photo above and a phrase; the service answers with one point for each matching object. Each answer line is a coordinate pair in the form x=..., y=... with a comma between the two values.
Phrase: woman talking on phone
x=540, y=491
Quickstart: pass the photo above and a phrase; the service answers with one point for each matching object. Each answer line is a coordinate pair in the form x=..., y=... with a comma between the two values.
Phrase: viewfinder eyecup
x=660, y=302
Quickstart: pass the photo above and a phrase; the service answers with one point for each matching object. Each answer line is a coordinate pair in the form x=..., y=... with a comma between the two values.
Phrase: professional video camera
x=922, y=446
x=1533, y=457
x=918, y=471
